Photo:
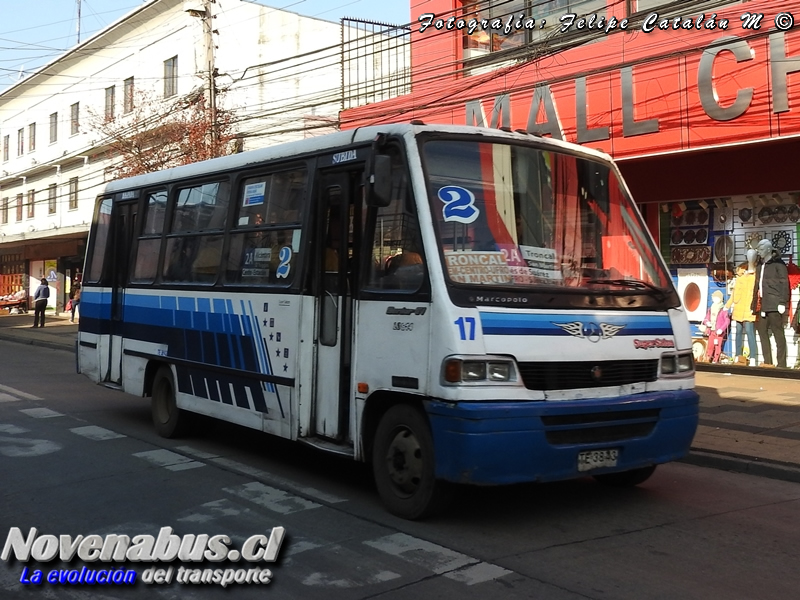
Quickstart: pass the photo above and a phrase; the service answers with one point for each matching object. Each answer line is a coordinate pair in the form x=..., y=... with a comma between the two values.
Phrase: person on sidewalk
x=716, y=326
x=770, y=299
x=744, y=319
x=40, y=303
x=75, y=300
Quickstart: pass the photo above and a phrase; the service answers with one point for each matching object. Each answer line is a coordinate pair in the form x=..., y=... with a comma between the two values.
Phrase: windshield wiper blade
x=631, y=283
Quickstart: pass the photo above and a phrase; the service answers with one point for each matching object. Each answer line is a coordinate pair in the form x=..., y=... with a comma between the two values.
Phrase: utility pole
x=202, y=10
x=78, y=2
x=208, y=31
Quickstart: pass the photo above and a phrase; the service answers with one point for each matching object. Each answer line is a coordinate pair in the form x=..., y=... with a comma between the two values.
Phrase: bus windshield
x=509, y=215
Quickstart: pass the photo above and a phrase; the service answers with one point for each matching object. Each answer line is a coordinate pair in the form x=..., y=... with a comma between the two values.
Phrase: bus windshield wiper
x=630, y=283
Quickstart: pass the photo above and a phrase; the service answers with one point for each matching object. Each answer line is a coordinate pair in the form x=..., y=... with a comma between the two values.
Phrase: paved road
x=78, y=459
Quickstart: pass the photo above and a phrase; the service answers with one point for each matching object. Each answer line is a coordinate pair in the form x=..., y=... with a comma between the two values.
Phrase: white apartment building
x=280, y=73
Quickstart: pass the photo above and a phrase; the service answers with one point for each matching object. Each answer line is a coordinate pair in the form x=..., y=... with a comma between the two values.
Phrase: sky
x=33, y=36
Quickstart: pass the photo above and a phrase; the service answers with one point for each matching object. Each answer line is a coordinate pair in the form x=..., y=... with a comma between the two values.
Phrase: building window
x=73, y=193
x=110, y=94
x=31, y=203
x=20, y=142
x=51, y=199
x=484, y=41
x=4, y=211
x=19, y=207
x=31, y=137
x=127, y=92
x=6, y=144
x=170, y=77
x=53, y=127
x=74, y=118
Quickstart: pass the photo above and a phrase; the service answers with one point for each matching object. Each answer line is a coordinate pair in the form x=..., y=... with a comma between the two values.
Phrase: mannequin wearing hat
x=770, y=299
x=716, y=325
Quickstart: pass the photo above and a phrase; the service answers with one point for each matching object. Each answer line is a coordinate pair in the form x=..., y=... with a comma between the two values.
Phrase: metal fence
x=376, y=61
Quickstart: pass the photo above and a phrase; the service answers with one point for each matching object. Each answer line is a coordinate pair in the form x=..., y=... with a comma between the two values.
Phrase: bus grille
x=573, y=375
x=595, y=428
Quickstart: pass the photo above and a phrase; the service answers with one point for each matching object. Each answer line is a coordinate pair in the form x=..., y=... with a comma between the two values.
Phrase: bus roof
x=318, y=144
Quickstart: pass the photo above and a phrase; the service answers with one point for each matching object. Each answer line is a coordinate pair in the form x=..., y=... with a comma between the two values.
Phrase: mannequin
x=744, y=319
x=716, y=325
x=770, y=299
x=752, y=260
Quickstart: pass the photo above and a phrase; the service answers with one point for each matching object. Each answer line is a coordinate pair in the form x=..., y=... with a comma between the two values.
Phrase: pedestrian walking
x=75, y=300
x=40, y=303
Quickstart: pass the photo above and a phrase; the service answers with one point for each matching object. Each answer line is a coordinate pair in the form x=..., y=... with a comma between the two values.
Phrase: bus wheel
x=626, y=478
x=403, y=465
x=169, y=420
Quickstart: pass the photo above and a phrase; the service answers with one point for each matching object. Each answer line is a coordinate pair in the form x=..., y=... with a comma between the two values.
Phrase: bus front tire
x=168, y=419
x=403, y=464
x=626, y=478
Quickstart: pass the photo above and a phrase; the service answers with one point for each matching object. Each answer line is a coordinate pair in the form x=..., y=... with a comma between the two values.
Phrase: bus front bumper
x=507, y=442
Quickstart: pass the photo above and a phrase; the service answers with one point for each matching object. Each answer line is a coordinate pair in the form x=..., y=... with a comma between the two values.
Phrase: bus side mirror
x=380, y=181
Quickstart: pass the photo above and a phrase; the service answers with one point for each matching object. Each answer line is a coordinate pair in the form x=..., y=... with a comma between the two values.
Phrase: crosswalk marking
x=477, y=573
x=169, y=460
x=272, y=498
x=13, y=429
x=263, y=475
x=93, y=432
x=41, y=413
x=440, y=560
x=419, y=552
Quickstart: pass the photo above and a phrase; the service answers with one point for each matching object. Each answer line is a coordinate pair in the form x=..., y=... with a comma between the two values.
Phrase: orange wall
x=665, y=84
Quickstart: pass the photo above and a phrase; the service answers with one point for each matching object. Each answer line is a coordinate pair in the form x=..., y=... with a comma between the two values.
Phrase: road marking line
x=478, y=573
x=277, y=481
x=431, y=556
x=93, y=432
x=19, y=393
x=272, y=498
x=169, y=460
x=8, y=398
x=196, y=453
x=8, y=428
x=41, y=413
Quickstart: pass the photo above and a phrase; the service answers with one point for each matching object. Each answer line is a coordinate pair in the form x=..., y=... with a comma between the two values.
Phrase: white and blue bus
x=450, y=304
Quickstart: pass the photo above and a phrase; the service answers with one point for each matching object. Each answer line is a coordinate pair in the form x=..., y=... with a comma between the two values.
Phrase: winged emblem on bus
x=593, y=332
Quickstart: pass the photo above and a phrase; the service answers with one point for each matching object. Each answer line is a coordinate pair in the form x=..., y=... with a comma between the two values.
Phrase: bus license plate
x=595, y=459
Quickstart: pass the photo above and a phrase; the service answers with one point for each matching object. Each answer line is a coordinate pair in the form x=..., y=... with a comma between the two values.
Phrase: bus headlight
x=680, y=364
x=484, y=370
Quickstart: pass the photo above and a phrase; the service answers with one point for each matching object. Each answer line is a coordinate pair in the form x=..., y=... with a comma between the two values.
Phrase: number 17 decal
x=465, y=323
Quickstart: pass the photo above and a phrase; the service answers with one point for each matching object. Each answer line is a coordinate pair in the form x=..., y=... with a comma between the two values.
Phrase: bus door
x=124, y=220
x=339, y=235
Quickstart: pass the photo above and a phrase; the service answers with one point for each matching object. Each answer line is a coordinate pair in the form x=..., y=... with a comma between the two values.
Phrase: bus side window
x=398, y=259
x=100, y=235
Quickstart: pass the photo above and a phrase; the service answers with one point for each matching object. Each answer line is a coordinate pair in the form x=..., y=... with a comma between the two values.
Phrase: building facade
x=279, y=73
x=699, y=103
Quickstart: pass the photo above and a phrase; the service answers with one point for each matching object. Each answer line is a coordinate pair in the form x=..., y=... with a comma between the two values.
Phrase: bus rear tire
x=626, y=478
x=168, y=419
x=403, y=464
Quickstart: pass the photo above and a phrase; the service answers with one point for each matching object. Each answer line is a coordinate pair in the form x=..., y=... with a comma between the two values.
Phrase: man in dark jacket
x=770, y=299
x=40, y=303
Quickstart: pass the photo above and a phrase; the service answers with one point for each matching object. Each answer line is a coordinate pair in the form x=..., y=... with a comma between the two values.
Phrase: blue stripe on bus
x=219, y=305
x=540, y=324
x=169, y=302
x=186, y=303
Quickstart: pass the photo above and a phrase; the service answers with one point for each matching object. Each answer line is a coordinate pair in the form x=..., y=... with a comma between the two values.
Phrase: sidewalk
x=58, y=333
x=749, y=417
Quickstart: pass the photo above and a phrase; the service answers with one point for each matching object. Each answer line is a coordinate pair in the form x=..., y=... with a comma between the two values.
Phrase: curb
x=743, y=464
x=41, y=343
x=749, y=371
